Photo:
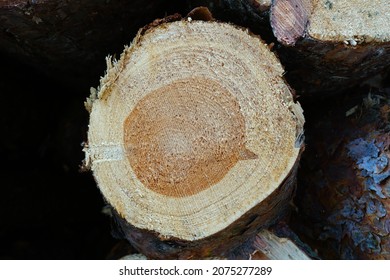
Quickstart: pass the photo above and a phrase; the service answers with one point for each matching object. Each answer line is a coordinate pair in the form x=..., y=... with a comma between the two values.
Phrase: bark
x=276, y=243
x=69, y=39
x=184, y=149
x=343, y=194
x=331, y=46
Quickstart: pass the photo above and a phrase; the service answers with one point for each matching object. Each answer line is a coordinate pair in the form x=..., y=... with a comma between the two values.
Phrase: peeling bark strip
x=207, y=129
x=331, y=45
x=344, y=191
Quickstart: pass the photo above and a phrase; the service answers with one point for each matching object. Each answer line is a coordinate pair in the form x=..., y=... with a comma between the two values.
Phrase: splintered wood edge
x=107, y=152
x=276, y=248
x=350, y=21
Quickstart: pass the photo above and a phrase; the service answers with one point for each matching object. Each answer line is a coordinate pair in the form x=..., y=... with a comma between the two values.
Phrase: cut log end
x=357, y=21
x=289, y=19
x=353, y=22
x=337, y=44
x=192, y=129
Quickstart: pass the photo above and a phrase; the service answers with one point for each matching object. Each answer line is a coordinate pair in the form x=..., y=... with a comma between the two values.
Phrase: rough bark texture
x=344, y=187
x=328, y=63
x=315, y=68
x=69, y=39
x=276, y=243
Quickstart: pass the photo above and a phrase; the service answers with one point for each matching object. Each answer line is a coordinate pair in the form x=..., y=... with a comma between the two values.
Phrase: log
x=67, y=39
x=344, y=183
x=331, y=46
x=194, y=139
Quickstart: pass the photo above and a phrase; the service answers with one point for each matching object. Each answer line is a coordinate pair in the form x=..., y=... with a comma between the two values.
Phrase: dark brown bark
x=332, y=67
x=344, y=182
x=276, y=243
x=69, y=39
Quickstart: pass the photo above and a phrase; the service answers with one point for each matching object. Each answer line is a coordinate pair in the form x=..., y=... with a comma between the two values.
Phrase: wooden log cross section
x=194, y=138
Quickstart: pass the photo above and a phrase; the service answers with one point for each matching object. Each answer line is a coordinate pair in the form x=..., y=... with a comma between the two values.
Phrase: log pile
x=196, y=130
x=164, y=157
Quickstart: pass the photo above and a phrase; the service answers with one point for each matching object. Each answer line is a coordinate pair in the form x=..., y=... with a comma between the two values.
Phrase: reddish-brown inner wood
x=185, y=137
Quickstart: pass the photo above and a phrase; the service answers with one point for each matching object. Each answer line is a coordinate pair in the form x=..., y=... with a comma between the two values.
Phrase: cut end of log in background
x=194, y=133
x=331, y=45
x=354, y=22
x=346, y=20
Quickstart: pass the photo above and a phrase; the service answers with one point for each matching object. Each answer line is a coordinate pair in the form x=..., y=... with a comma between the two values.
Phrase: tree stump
x=194, y=138
x=331, y=45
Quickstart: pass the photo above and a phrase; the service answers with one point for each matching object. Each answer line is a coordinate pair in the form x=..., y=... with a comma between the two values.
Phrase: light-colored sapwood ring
x=191, y=128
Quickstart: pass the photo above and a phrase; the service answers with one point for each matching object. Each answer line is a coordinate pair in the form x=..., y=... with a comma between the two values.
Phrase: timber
x=331, y=46
x=194, y=139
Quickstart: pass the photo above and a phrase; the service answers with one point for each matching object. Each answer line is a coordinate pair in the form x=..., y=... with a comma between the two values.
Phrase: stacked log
x=194, y=139
x=331, y=46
